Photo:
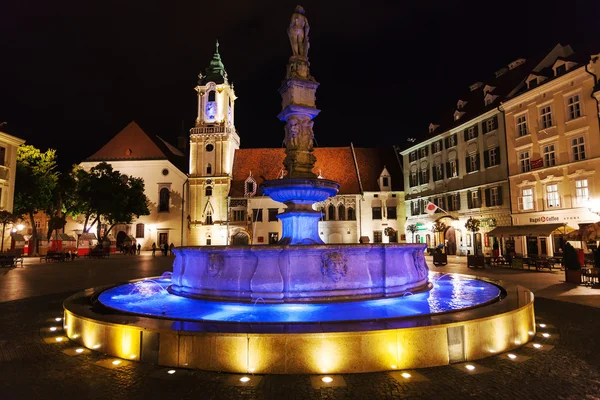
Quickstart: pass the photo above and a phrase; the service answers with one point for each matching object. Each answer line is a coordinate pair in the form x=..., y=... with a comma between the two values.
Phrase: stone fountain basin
x=300, y=191
x=310, y=273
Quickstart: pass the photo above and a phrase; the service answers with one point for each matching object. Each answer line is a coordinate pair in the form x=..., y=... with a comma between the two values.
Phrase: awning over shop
x=525, y=230
x=62, y=236
x=87, y=236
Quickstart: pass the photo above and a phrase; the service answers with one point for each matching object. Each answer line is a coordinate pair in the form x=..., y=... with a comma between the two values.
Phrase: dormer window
x=532, y=83
x=458, y=114
x=500, y=72
x=461, y=104
x=384, y=180
x=516, y=63
x=250, y=186
x=487, y=89
x=561, y=66
x=475, y=86
x=432, y=127
x=489, y=99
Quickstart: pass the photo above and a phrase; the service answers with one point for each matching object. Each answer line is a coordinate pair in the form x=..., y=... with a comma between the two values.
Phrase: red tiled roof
x=333, y=163
x=132, y=143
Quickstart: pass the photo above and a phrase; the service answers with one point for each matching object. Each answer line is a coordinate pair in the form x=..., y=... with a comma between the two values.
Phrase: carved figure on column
x=298, y=33
x=299, y=134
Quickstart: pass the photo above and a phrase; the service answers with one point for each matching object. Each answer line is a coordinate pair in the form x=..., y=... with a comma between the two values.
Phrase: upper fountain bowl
x=300, y=190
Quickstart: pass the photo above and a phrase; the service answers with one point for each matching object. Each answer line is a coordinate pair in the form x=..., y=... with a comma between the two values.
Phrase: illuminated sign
x=543, y=220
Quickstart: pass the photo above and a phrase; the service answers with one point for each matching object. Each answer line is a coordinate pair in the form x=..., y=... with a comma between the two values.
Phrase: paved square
x=35, y=366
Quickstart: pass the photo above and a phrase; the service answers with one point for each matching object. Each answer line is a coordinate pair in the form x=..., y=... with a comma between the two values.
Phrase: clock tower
x=213, y=141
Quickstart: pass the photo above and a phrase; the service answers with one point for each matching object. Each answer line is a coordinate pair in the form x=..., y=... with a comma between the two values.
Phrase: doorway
x=240, y=239
x=163, y=238
x=477, y=245
x=532, y=246
x=450, y=241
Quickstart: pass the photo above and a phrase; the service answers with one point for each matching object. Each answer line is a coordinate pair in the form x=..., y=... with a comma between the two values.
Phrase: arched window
x=208, y=191
x=323, y=214
x=341, y=212
x=331, y=213
x=163, y=203
x=209, y=220
x=211, y=95
x=351, y=214
x=208, y=169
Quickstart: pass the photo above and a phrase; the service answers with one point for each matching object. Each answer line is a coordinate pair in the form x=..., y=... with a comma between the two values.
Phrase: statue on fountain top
x=298, y=66
x=298, y=33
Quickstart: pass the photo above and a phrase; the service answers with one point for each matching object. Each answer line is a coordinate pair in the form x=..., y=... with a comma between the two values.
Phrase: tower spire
x=216, y=70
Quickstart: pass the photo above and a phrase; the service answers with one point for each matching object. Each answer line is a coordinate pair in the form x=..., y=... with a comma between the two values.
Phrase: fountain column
x=300, y=188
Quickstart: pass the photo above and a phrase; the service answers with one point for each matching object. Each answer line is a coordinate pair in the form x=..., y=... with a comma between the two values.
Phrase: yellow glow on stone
x=470, y=367
x=327, y=379
x=244, y=379
x=512, y=356
x=116, y=362
x=406, y=375
x=394, y=367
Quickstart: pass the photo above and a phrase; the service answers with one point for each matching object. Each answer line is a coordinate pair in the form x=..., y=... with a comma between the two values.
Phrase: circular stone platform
x=313, y=348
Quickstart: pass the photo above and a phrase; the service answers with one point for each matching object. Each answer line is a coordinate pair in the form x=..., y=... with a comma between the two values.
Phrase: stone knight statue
x=298, y=33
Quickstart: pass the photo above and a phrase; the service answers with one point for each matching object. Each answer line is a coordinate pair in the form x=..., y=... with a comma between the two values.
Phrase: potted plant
x=412, y=228
x=571, y=264
x=439, y=257
x=475, y=260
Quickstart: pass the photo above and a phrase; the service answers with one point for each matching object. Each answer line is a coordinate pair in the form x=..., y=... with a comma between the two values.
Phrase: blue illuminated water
x=450, y=293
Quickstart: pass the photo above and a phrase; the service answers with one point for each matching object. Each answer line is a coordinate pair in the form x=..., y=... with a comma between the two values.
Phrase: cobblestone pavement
x=34, y=366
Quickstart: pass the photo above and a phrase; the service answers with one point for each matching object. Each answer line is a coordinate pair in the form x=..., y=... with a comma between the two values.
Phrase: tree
x=104, y=195
x=436, y=228
x=35, y=183
x=472, y=225
x=412, y=228
x=6, y=217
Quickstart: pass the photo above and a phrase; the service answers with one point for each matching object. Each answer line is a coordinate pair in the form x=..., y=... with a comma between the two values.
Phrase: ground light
x=244, y=379
x=470, y=367
x=406, y=375
x=542, y=325
x=79, y=350
x=52, y=329
x=59, y=339
x=327, y=379
x=116, y=362
x=171, y=371
x=537, y=345
x=57, y=319
x=546, y=335
x=512, y=356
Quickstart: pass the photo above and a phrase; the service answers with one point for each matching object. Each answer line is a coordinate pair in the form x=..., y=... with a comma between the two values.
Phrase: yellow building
x=553, y=148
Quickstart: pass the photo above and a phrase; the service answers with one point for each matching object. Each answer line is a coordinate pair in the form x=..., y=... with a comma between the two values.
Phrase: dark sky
x=74, y=73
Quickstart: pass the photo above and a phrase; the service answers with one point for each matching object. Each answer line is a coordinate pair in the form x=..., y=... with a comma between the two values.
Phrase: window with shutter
x=486, y=161
x=470, y=199
x=468, y=164
x=500, y=199
x=487, y=198
x=434, y=173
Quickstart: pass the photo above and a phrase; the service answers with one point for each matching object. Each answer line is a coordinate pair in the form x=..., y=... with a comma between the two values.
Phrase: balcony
x=4, y=172
x=211, y=129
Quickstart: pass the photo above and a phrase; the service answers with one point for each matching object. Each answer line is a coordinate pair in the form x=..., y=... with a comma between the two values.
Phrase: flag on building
x=430, y=208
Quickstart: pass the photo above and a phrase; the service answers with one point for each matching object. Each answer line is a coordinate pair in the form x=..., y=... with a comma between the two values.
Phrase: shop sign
x=544, y=220
x=535, y=164
x=421, y=226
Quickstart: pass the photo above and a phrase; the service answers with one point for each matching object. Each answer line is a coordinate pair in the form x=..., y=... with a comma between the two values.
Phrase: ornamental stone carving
x=420, y=264
x=215, y=264
x=334, y=266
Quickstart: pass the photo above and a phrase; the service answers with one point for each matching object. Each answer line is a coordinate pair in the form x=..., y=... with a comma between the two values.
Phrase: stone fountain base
x=311, y=273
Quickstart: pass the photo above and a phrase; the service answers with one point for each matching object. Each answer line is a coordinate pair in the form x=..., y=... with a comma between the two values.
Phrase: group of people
x=133, y=249
x=165, y=249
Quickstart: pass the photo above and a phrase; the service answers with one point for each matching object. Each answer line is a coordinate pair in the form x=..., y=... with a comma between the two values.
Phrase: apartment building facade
x=553, y=143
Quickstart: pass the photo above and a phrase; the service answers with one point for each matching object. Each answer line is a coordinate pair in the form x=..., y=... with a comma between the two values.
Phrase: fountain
x=302, y=306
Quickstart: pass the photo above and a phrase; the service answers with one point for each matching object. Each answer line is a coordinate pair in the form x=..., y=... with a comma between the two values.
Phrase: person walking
x=139, y=248
x=171, y=247
x=153, y=249
x=166, y=249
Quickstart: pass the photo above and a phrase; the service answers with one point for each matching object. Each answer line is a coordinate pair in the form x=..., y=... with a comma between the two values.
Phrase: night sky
x=73, y=73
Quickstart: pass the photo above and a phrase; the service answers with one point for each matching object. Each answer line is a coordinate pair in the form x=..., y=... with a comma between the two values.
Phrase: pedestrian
x=171, y=247
x=166, y=249
x=153, y=249
x=139, y=248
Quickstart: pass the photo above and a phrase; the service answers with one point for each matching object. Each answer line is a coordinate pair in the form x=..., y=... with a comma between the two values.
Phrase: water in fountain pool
x=150, y=297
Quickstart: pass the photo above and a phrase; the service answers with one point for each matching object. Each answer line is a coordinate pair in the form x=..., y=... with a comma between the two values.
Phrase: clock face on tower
x=211, y=111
